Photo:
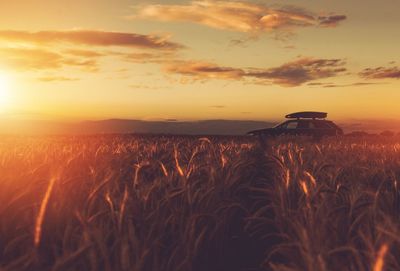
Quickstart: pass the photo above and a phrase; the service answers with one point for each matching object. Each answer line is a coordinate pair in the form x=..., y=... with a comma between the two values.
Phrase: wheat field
x=180, y=203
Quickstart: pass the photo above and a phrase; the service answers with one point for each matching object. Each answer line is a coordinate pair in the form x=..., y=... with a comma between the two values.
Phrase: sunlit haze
x=4, y=91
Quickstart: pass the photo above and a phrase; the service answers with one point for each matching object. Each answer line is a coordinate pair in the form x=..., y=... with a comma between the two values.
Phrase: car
x=307, y=123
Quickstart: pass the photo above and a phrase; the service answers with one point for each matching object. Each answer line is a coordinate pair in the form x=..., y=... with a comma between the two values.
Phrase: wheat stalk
x=42, y=212
x=380, y=258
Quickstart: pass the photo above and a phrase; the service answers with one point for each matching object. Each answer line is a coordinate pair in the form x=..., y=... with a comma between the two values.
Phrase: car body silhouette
x=305, y=123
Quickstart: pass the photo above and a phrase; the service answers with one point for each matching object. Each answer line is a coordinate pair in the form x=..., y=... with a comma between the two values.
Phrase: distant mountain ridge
x=203, y=127
x=217, y=127
x=170, y=126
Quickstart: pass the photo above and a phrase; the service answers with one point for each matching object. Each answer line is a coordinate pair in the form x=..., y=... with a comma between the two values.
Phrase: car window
x=303, y=124
x=281, y=125
x=291, y=125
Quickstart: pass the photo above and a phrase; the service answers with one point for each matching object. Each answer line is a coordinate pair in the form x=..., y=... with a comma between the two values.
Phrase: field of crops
x=190, y=203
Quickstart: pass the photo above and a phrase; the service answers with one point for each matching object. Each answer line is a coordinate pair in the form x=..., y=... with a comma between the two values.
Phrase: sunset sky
x=198, y=60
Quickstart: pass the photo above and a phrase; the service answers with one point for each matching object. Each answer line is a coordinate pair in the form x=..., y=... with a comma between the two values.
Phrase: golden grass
x=380, y=259
x=188, y=203
x=42, y=212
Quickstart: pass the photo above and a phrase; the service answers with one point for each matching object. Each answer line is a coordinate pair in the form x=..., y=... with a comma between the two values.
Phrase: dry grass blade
x=164, y=169
x=380, y=258
x=178, y=166
x=123, y=207
x=304, y=187
x=311, y=177
x=42, y=212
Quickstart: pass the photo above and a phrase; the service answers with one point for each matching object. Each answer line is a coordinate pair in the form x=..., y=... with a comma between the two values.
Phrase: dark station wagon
x=302, y=123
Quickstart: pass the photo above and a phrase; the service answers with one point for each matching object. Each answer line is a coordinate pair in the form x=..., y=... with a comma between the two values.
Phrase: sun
x=4, y=90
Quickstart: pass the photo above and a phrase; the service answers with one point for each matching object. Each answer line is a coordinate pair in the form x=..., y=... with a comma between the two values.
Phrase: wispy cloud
x=148, y=57
x=56, y=78
x=291, y=74
x=238, y=16
x=300, y=71
x=331, y=21
x=204, y=70
x=218, y=106
x=84, y=53
x=25, y=59
x=91, y=38
x=333, y=85
x=37, y=59
x=381, y=73
x=144, y=86
x=25, y=50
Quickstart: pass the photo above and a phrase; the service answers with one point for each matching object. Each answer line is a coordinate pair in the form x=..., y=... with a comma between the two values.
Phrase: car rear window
x=331, y=124
x=291, y=125
x=304, y=124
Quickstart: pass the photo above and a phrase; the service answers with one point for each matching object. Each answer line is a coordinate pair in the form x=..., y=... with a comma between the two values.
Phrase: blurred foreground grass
x=192, y=203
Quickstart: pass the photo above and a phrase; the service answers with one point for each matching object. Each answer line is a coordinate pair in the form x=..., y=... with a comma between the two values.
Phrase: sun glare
x=4, y=90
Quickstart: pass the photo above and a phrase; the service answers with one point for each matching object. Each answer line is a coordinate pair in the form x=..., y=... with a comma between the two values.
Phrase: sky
x=198, y=60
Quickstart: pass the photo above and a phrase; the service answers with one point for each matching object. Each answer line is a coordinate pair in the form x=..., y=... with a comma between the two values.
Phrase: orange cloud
x=331, y=21
x=300, y=71
x=56, y=78
x=92, y=38
x=24, y=50
x=381, y=73
x=26, y=59
x=290, y=74
x=218, y=106
x=204, y=70
x=83, y=53
x=36, y=59
x=146, y=57
x=332, y=85
x=238, y=16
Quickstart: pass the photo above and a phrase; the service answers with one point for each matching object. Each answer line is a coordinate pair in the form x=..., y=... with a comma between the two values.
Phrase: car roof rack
x=307, y=115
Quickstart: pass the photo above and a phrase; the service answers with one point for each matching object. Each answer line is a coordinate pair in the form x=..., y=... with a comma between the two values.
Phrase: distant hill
x=219, y=127
x=370, y=126
x=202, y=127
x=205, y=127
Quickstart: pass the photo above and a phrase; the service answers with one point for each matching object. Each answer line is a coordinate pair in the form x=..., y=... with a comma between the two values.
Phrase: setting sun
x=4, y=90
